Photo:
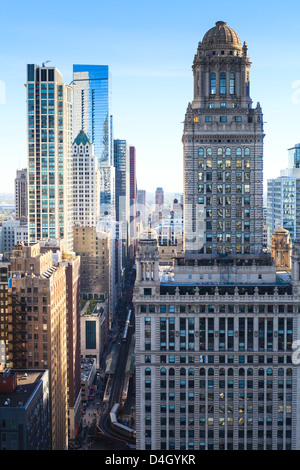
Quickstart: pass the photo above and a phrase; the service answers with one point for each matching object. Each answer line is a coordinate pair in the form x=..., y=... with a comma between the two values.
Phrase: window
x=222, y=83
x=212, y=83
x=232, y=83
x=208, y=118
x=200, y=152
x=223, y=118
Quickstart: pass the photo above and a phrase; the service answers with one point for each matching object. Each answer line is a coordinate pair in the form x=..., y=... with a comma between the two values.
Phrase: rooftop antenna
x=46, y=62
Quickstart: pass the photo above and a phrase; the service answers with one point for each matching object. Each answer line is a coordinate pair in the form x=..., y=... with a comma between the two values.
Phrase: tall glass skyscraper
x=294, y=157
x=92, y=108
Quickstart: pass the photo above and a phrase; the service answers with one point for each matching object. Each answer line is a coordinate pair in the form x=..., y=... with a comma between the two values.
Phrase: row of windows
x=223, y=119
x=229, y=384
x=242, y=329
x=221, y=446
x=222, y=83
x=222, y=371
x=261, y=421
x=222, y=308
x=183, y=421
x=224, y=151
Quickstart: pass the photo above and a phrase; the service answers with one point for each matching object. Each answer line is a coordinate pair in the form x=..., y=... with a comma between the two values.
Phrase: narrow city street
x=96, y=432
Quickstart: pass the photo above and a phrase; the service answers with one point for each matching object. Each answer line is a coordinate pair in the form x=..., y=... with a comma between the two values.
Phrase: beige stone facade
x=223, y=151
x=93, y=248
x=37, y=333
x=281, y=249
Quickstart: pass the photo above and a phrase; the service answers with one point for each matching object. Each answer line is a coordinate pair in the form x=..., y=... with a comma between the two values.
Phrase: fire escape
x=16, y=330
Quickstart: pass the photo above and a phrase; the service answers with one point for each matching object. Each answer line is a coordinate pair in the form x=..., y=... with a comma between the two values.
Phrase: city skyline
x=188, y=320
x=149, y=59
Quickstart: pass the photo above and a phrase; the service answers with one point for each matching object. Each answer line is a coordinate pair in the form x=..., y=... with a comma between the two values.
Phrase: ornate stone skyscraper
x=223, y=151
x=215, y=334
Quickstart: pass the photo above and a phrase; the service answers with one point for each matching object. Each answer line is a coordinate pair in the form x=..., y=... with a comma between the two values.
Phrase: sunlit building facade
x=215, y=362
x=223, y=150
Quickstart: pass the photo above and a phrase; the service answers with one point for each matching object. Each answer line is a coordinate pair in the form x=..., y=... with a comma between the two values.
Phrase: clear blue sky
x=149, y=47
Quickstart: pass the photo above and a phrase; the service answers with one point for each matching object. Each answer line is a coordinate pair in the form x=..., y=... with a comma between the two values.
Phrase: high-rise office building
x=37, y=332
x=294, y=157
x=72, y=270
x=159, y=197
x=122, y=165
x=133, y=201
x=223, y=150
x=107, y=191
x=85, y=182
x=71, y=264
x=92, y=115
x=92, y=108
x=281, y=204
x=4, y=276
x=283, y=198
x=215, y=367
x=93, y=247
x=21, y=196
x=49, y=113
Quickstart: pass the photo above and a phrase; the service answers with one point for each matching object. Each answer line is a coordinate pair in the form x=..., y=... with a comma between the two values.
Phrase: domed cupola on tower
x=221, y=70
x=221, y=36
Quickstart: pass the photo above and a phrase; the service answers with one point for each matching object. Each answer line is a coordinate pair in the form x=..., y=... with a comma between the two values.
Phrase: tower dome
x=221, y=36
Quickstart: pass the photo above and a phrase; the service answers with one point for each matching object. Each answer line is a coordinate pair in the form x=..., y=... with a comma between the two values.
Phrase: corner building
x=223, y=150
x=215, y=363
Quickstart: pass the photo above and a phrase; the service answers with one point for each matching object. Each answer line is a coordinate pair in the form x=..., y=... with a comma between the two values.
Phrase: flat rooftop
x=27, y=381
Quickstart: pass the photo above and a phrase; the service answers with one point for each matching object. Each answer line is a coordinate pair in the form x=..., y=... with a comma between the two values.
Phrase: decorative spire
x=82, y=138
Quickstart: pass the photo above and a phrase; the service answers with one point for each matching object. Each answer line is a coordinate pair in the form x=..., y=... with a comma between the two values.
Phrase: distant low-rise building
x=94, y=326
x=11, y=232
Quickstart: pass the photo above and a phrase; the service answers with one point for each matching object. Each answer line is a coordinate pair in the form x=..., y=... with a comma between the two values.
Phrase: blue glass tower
x=92, y=108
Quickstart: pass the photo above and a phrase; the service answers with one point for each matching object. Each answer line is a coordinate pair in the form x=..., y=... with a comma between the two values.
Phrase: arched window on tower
x=200, y=151
x=222, y=83
x=212, y=83
x=232, y=83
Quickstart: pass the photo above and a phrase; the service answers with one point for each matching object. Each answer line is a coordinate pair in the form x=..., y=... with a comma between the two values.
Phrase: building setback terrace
x=226, y=289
